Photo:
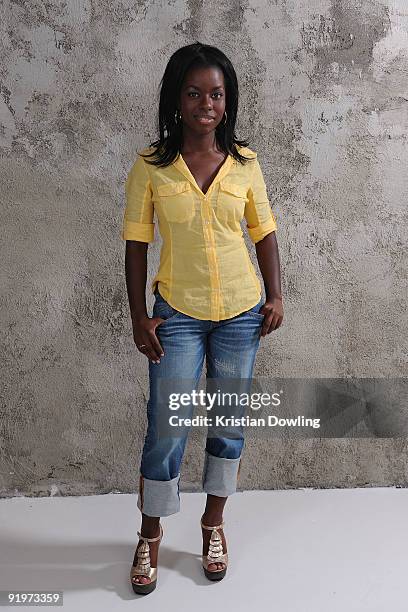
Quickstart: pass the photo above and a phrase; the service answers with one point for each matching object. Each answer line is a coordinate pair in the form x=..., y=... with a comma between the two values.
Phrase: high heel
x=143, y=567
x=215, y=554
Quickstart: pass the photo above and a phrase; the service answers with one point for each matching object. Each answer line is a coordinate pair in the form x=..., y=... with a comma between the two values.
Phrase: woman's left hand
x=273, y=315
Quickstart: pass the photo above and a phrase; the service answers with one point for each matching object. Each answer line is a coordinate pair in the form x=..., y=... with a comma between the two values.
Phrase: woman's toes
x=141, y=580
x=215, y=566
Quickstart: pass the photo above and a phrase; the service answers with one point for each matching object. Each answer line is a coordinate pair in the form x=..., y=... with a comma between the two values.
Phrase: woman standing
x=201, y=182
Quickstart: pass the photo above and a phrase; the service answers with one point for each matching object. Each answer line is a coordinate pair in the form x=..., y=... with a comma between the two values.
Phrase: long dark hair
x=167, y=147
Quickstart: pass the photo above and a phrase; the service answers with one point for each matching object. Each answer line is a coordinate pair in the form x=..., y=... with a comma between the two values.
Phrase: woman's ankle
x=212, y=519
x=150, y=527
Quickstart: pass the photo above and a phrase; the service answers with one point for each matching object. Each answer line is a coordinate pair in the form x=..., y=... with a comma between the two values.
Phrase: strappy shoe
x=215, y=554
x=143, y=567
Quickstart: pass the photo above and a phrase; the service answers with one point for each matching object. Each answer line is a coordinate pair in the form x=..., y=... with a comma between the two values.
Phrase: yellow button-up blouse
x=205, y=270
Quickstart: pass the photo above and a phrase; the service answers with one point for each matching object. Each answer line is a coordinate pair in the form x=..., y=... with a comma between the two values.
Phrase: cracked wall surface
x=323, y=100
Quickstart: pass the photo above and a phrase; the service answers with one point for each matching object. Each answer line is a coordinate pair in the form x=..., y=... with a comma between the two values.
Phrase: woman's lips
x=203, y=119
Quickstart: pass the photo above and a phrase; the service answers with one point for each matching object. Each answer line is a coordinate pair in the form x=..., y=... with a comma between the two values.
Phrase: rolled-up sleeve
x=258, y=214
x=139, y=211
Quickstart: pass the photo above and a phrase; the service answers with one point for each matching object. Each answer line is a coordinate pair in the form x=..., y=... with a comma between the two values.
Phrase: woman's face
x=202, y=99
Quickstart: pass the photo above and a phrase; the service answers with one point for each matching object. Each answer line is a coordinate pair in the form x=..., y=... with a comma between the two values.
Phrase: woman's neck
x=207, y=143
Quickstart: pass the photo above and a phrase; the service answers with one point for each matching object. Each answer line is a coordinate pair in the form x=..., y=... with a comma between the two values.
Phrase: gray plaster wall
x=323, y=100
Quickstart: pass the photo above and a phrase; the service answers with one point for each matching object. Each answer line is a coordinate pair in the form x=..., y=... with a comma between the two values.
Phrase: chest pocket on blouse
x=231, y=202
x=176, y=201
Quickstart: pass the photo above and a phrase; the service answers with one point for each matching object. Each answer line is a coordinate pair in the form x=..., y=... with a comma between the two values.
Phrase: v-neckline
x=220, y=170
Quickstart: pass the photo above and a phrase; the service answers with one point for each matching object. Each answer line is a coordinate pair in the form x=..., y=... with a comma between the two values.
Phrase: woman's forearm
x=267, y=253
x=136, y=275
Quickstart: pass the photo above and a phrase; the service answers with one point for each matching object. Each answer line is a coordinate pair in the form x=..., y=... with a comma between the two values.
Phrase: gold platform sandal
x=143, y=567
x=215, y=554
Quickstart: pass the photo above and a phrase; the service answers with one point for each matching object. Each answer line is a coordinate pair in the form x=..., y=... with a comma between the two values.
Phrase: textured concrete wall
x=324, y=91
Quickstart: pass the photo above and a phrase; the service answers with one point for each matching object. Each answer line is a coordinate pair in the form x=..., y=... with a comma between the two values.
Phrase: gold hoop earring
x=225, y=121
x=177, y=116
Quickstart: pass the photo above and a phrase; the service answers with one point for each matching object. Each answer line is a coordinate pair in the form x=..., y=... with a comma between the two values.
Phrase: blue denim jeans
x=229, y=347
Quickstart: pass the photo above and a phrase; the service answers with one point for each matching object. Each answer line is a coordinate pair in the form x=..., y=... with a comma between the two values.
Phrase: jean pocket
x=254, y=311
x=173, y=316
x=163, y=309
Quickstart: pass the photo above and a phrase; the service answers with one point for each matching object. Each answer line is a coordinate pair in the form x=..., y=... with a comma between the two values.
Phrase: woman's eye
x=193, y=93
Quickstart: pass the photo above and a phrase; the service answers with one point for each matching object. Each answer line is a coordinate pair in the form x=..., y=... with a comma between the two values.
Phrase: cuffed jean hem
x=159, y=497
x=220, y=475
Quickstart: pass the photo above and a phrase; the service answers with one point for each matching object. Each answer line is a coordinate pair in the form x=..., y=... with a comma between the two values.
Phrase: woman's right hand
x=144, y=334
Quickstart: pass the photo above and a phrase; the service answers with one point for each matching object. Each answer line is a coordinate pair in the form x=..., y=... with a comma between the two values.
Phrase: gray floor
x=290, y=551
